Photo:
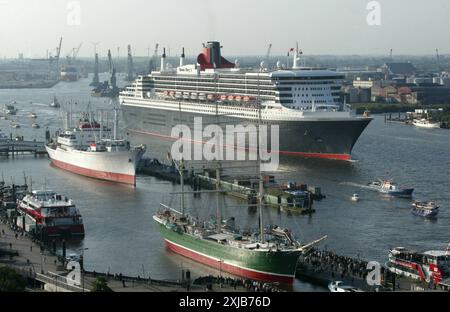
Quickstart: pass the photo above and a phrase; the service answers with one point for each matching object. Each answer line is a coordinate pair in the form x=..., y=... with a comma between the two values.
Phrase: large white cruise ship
x=304, y=102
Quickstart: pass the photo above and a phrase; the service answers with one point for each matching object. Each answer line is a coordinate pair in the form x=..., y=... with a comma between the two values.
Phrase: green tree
x=100, y=285
x=11, y=281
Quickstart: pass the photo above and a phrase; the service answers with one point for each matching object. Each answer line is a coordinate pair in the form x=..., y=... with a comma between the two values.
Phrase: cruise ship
x=303, y=101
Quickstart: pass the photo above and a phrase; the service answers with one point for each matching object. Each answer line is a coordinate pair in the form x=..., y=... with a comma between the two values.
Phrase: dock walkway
x=14, y=148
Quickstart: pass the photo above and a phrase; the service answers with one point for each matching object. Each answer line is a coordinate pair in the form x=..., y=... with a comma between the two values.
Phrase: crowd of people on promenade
x=339, y=266
x=235, y=283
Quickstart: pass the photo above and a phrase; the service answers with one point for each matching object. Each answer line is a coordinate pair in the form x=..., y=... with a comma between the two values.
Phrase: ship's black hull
x=324, y=138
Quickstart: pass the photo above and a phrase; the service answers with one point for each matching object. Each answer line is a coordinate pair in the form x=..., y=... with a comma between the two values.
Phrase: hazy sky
x=243, y=26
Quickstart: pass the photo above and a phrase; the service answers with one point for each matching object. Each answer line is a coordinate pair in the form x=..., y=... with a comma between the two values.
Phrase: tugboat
x=390, y=188
x=430, y=266
x=425, y=209
x=50, y=214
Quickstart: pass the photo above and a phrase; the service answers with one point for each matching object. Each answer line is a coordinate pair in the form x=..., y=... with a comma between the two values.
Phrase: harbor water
x=121, y=236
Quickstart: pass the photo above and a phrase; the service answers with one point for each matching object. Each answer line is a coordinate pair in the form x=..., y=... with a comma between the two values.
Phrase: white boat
x=355, y=197
x=35, y=126
x=391, y=188
x=426, y=123
x=338, y=286
x=84, y=152
x=32, y=115
x=15, y=125
x=55, y=103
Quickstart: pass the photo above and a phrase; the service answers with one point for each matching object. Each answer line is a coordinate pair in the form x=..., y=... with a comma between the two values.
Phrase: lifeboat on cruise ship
x=194, y=96
x=172, y=93
x=178, y=95
x=238, y=98
x=223, y=97
x=230, y=97
x=202, y=96
x=186, y=95
x=246, y=98
x=210, y=96
x=166, y=92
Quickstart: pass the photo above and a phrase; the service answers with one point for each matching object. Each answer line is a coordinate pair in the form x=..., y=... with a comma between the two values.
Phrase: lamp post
x=82, y=266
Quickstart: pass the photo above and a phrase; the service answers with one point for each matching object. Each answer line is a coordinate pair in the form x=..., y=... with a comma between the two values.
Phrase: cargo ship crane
x=130, y=65
x=153, y=59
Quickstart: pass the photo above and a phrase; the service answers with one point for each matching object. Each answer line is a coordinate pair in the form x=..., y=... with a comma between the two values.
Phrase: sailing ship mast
x=258, y=150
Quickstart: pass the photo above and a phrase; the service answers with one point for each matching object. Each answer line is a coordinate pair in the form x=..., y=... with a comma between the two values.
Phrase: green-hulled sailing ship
x=269, y=255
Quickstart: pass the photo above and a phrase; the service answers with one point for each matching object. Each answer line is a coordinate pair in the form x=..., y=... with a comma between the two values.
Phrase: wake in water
x=362, y=186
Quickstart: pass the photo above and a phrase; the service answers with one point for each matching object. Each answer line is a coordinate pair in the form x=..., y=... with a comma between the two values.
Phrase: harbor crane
x=438, y=59
x=268, y=55
x=154, y=59
x=75, y=52
x=130, y=66
x=54, y=60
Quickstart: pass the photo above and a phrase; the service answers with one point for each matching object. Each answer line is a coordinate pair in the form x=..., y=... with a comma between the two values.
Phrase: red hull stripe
x=226, y=267
x=108, y=176
x=345, y=157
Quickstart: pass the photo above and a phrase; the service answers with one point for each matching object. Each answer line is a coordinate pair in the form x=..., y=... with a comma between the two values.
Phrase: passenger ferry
x=49, y=213
x=430, y=266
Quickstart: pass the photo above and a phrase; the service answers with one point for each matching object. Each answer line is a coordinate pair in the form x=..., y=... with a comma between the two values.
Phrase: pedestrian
x=10, y=245
x=31, y=248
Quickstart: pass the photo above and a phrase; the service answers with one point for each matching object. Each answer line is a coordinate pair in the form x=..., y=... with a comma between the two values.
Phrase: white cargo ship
x=85, y=151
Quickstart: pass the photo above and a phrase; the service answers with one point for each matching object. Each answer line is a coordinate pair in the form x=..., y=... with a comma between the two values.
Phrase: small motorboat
x=355, y=197
x=15, y=125
x=55, y=103
x=35, y=126
x=391, y=188
x=338, y=286
x=425, y=209
x=32, y=115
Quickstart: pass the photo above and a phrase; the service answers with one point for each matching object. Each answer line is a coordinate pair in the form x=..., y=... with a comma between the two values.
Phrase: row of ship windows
x=310, y=78
x=223, y=90
x=282, y=101
x=213, y=80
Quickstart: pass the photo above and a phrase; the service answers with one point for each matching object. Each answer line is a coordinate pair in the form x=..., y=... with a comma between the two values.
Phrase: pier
x=14, y=148
x=292, y=198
